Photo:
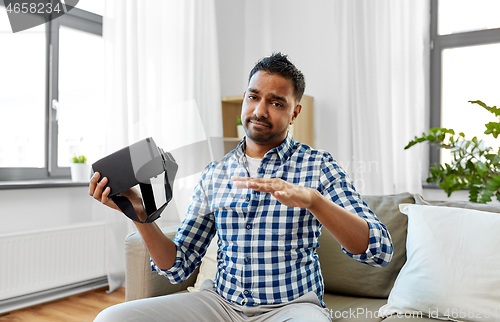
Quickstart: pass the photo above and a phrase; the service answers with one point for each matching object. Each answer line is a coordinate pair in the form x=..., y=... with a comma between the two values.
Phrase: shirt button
x=248, y=226
x=247, y=199
x=245, y=292
x=247, y=259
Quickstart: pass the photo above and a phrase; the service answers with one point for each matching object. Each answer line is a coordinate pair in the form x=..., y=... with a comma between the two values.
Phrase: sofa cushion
x=141, y=281
x=452, y=270
x=344, y=275
x=409, y=317
x=491, y=207
x=355, y=309
x=352, y=308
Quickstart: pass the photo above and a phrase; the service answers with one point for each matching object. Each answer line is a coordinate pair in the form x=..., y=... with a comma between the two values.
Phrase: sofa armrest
x=140, y=280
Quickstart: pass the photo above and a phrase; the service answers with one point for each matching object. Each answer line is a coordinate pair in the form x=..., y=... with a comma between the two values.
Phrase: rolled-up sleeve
x=192, y=237
x=337, y=186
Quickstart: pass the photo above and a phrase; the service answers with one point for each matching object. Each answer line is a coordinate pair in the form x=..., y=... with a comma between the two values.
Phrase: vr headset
x=137, y=164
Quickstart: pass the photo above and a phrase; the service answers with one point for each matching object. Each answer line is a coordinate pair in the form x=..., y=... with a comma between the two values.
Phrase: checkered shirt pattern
x=267, y=251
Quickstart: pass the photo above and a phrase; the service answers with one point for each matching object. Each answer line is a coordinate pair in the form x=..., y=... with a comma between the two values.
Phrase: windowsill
x=426, y=185
x=35, y=184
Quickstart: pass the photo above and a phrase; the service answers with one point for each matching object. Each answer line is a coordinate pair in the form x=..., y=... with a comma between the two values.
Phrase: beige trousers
x=209, y=306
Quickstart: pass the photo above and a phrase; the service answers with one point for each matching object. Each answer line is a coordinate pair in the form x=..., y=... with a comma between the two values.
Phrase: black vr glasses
x=137, y=164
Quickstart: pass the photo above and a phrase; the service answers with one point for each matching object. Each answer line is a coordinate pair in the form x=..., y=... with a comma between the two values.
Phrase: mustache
x=260, y=120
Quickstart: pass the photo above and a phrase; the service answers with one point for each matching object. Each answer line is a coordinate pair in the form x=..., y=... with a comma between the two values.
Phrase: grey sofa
x=353, y=291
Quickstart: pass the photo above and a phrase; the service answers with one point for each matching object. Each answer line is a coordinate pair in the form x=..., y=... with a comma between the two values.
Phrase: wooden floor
x=77, y=308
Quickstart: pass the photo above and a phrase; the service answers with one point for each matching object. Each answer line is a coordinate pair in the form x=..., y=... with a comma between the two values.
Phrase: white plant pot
x=80, y=172
x=241, y=131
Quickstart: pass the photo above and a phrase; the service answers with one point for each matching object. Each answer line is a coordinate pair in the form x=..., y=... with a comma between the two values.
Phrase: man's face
x=269, y=107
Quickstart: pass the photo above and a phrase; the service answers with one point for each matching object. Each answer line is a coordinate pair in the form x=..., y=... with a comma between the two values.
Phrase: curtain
x=384, y=45
x=162, y=81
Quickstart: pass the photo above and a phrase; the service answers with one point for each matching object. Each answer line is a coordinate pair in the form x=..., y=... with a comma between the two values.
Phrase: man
x=266, y=201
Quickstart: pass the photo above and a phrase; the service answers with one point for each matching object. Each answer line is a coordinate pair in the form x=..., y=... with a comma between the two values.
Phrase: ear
x=296, y=112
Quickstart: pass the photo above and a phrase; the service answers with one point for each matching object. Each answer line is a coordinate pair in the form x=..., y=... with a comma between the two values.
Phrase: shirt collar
x=284, y=150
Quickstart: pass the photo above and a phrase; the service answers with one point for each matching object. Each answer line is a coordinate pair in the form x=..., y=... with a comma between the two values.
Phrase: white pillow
x=452, y=271
x=208, y=267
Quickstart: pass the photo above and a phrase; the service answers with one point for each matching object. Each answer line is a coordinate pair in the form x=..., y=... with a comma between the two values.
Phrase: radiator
x=43, y=260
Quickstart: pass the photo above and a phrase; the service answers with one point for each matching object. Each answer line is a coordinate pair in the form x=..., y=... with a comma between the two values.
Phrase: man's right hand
x=162, y=249
x=96, y=191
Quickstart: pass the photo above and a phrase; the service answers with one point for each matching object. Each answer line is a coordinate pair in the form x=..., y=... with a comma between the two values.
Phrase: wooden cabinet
x=302, y=130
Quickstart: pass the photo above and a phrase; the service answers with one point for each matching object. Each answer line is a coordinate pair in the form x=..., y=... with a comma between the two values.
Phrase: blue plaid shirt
x=266, y=250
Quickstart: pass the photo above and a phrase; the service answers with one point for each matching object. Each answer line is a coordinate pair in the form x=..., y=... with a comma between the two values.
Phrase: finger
x=281, y=194
x=269, y=187
x=251, y=179
x=105, y=196
x=240, y=184
x=106, y=200
x=93, y=183
x=286, y=198
x=248, y=184
x=99, y=188
x=259, y=180
x=237, y=178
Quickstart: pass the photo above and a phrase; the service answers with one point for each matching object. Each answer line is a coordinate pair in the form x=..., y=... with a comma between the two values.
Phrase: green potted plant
x=240, y=128
x=473, y=166
x=80, y=170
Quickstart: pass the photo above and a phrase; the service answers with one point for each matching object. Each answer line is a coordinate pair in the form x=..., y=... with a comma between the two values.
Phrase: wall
x=38, y=209
x=45, y=208
x=231, y=35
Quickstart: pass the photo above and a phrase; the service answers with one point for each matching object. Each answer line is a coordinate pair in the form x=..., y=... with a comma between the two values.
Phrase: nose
x=260, y=110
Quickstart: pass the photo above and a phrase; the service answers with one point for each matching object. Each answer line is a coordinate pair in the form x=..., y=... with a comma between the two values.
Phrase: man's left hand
x=287, y=193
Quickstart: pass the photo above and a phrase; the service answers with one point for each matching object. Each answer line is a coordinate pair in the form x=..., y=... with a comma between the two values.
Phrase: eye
x=252, y=97
x=276, y=104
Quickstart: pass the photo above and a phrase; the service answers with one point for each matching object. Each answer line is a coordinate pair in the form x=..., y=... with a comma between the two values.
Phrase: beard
x=266, y=135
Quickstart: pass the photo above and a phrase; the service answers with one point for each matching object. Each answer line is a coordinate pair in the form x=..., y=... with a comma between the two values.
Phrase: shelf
x=233, y=99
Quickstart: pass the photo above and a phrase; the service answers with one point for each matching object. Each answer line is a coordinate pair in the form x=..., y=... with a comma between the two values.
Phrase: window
x=464, y=67
x=22, y=98
x=81, y=95
x=52, y=83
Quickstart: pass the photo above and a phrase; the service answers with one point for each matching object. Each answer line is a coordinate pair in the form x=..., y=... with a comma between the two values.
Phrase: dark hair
x=279, y=64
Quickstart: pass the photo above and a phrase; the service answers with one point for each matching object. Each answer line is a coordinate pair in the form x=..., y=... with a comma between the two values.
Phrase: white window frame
x=438, y=44
x=77, y=19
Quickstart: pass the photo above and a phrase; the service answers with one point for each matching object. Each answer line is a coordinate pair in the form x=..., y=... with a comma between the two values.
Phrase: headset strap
x=149, y=202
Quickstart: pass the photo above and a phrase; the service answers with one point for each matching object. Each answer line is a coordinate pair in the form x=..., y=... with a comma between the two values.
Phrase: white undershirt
x=253, y=166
